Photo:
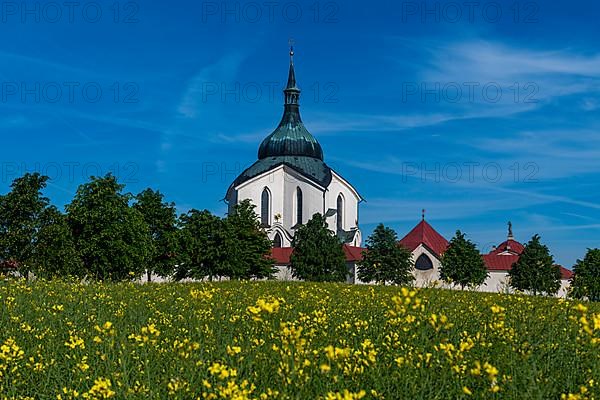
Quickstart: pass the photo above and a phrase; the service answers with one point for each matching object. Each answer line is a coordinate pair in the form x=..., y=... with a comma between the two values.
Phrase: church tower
x=290, y=182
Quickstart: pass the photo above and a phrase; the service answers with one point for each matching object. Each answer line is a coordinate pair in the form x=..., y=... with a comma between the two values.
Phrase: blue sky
x=479, y=115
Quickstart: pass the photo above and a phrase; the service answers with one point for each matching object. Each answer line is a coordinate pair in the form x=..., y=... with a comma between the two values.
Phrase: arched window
x=298, y=206
x=265, y=207
x=423, y=263
x=277, y=240
x=340, y=213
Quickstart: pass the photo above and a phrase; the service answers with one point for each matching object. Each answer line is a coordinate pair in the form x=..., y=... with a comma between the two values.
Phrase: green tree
x=251, y=245
x=111, y=237
x=586, y=281
x=535, y=271
x=20, y=212
x=204, y=246
x=318, y=254
x=462, y=263
x=161, y=219
x=55, y=253
x=385, y=260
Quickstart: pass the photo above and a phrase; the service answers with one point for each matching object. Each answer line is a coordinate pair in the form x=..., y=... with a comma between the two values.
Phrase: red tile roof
x=281, y=255
x=8, y=265
x=353, y=253
x=509, y=245
x=565, y=273
x=424, y=234
x=495, y=262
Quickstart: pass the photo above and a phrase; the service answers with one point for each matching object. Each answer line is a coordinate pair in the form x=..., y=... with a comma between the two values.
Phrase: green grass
x=291, y=340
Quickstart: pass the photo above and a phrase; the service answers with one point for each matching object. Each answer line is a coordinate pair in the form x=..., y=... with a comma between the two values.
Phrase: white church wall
x=253, y=188
x=351, y=198
x=312, y=198
x=430, y=277
x=496, y=282
x=282, y=183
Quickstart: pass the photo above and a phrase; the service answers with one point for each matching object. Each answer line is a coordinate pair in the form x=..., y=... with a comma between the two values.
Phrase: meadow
x=263, y=340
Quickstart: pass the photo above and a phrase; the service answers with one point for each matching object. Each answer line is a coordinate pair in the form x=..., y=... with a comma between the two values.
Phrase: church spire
x=290, y=138
x=292, y=93
x=291, y=84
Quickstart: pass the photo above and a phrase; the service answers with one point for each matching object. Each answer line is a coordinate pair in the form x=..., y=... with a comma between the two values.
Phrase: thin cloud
x=223, y=70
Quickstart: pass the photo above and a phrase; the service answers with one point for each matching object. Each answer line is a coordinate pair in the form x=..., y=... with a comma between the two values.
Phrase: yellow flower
x=345, y=395
x=233, y=350
x=102, y=389
x=580, y=307
x=83, y=365
x=497, y=309
x=75, y=341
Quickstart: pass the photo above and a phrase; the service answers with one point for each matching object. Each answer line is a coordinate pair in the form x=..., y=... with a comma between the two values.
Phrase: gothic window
x=423, y=263
x=340, y=213
x=265, y=207
x=277, y=240
x=299, y=206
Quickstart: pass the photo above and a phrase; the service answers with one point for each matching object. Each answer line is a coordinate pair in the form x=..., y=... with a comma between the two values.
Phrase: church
x=290, y=182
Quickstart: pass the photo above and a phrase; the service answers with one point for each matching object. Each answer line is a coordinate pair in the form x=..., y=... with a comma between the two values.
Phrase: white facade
x=339, y=188
x=496, y=282
x=428, y=277
x=285, y=186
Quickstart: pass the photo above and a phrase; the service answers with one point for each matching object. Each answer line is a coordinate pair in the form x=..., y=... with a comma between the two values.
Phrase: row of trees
x=318, y=256
x=106, y=234
x=534, y=272
x=462, y=265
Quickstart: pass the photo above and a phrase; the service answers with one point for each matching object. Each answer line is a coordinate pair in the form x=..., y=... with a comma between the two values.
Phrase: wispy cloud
x=556, y=153
x=528, y=79
x=556, y=72
x=192, y=107
x=16, y=60
x=223, y=70
x=396, y=210
x=339, y=123
x=493, y=59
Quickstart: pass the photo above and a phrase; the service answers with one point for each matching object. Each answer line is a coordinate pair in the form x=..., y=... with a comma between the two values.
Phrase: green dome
x=291, y=138
x=290, y=144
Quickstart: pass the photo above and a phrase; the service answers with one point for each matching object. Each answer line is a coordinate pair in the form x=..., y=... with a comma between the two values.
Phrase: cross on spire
x=423, y=214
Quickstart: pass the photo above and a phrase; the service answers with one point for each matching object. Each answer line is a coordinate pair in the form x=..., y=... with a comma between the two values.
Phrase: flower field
x=239, y=340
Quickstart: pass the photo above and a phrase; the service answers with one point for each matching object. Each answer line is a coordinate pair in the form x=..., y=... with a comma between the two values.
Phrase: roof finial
x=292, y=93
x=510, y=232
x=291, y=43
x=423, y=214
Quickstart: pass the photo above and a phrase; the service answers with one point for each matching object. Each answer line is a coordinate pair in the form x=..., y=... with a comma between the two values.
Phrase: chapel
x=290, y=181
